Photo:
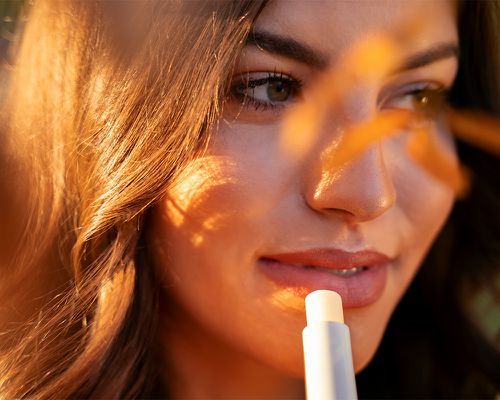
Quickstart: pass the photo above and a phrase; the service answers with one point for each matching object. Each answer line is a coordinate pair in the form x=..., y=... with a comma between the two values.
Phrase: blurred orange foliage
x=369, y=62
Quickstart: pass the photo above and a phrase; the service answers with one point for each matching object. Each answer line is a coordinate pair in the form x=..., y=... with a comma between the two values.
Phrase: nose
x=359, y=191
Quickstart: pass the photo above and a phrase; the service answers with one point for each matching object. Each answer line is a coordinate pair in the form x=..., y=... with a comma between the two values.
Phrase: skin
x=223, y=321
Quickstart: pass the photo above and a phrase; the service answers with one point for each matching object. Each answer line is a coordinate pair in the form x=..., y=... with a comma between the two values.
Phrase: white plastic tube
x=329, y=370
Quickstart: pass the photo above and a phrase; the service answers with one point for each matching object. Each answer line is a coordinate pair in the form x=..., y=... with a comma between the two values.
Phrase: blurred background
x=9, y=18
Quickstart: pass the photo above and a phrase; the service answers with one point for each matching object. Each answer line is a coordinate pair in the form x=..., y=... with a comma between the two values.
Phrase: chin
x=292, y=363
x=360, y=363
x=364, y=347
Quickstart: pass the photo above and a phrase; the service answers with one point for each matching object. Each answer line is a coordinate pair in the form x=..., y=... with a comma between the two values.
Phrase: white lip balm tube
x=329, y=371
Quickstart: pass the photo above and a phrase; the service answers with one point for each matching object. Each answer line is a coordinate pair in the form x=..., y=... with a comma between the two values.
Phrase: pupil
x=278, y=91
x=429, y=103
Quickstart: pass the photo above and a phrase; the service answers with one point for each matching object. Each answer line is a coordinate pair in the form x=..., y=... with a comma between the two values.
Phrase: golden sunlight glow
x=370, y=61
x=286, y=299
x=358, y=137
x=367, y=62
x=114, y=298
x=197, y=239
x=477, y=129
x=203, y=172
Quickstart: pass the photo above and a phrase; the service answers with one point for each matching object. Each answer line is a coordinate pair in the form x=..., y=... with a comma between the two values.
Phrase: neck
x=200, y=365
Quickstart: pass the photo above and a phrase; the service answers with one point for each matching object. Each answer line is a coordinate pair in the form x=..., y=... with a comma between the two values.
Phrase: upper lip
x=331, y=258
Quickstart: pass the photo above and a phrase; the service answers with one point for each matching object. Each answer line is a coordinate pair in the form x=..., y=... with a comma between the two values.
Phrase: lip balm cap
x=324, y=305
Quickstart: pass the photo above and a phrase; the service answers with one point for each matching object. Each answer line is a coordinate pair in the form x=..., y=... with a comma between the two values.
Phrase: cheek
x=425, y=204
x=200, y=205
x=211, y=218
x=424, y=200
x=204, y=237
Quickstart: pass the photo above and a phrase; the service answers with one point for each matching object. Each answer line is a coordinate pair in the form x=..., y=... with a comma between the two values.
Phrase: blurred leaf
x=476, y=128
x=357, y=138
x=423, y=148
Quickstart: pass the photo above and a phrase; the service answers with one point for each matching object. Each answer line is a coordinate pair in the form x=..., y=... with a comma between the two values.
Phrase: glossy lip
x=290, y=271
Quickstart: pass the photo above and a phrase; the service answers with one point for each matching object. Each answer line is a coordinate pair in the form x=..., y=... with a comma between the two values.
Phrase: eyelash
x=437, y=94
x=245, y=83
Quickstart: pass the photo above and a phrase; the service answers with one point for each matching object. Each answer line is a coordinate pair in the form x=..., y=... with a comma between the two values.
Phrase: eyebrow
x=437, y=52
x=292, y=49
x=287, y=47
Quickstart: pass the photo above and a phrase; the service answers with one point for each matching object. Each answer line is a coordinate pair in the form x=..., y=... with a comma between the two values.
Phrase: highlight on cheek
x=202, y=173
x=190, y=190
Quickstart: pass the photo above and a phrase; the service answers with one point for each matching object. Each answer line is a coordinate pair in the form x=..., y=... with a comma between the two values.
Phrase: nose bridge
x=361, y=190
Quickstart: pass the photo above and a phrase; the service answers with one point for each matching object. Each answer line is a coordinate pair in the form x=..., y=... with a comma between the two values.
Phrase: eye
x=264, y=91
x=424, y=98
x=275, y=90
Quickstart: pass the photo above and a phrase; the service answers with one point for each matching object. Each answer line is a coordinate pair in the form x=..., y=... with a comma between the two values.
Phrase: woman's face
x=247, y=231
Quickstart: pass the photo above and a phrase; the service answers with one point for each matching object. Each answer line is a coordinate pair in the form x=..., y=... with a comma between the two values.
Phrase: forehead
x=332, y=26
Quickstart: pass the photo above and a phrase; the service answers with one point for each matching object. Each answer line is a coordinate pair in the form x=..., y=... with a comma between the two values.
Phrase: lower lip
x=358, y=290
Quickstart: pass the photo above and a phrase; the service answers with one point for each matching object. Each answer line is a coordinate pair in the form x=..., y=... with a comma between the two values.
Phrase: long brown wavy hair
x=96, y=123
x=99, y=121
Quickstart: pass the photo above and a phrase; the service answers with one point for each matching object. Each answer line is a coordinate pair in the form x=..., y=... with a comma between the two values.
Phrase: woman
x=167, y=240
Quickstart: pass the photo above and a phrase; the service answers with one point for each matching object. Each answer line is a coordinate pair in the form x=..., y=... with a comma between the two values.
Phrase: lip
x=289, y=271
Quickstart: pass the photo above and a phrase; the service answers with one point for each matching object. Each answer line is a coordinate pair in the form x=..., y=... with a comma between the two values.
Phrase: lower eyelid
x=249, y=102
